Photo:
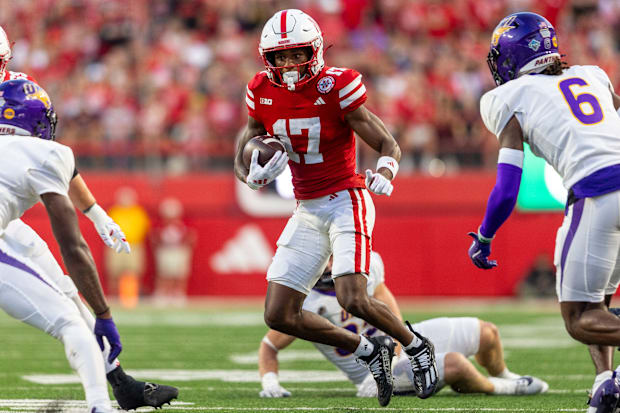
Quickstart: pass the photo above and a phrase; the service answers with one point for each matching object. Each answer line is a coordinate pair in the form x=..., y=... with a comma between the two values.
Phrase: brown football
x=267, y=146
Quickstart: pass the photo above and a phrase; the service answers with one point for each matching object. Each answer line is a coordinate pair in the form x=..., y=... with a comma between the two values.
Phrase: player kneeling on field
x=455, y=339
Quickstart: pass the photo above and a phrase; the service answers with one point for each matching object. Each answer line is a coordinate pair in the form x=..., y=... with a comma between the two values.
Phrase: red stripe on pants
x=365, y=226
x=358, y=231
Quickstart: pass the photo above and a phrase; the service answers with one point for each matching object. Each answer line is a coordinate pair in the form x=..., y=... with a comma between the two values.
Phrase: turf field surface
x=209, y=352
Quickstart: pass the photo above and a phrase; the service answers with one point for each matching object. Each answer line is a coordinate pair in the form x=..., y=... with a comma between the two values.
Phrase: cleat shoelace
x=422, y=360
x=377, y=366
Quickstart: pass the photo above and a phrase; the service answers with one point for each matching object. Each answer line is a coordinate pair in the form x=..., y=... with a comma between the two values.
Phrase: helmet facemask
x=47, y=131
x=292, y=29
x=291, y=78
x=492, y=62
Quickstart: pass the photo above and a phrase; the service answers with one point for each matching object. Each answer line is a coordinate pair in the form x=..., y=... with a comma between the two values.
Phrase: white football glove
x=111, y=234
x=271, y=386
x=378, y=183
x=260, y=176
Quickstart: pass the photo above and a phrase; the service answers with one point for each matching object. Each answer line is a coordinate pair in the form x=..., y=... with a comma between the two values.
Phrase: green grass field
x=210, y=354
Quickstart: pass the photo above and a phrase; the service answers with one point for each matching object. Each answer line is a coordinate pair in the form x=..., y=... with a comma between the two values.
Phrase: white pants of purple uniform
x=587, y=249
x=29, y=295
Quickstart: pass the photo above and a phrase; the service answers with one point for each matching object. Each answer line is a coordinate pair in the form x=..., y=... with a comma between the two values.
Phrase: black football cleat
x=379, y=362
x=131, y=393
x=424, y=367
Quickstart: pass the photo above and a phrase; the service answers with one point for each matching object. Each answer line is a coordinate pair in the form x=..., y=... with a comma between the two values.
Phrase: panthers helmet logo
x=34, y=92
x=504, y=26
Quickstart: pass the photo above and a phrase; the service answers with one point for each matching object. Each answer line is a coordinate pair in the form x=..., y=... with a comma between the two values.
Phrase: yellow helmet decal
x=33, y=91
x=503, y=27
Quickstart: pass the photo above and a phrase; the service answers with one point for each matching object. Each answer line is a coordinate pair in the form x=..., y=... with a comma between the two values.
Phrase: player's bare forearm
x=80, y=195
x=75, y=252
x=253, y=128
x=81, y=267
x=268, y=355
x=373, y=131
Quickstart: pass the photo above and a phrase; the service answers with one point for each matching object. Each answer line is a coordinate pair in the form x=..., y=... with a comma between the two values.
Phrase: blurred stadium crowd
x=159, y=84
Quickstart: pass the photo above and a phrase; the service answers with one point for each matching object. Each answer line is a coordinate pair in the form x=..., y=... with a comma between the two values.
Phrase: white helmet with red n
x=290, y=29
x=5, y=51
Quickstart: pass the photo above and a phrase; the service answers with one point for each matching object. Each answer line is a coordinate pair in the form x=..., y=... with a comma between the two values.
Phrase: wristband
x=102, y=312
x=270, y=344
x=389, y=163
x=511, y=157
x=96, y=214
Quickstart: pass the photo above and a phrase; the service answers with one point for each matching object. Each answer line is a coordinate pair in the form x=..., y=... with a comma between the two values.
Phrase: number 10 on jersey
x=310, y=148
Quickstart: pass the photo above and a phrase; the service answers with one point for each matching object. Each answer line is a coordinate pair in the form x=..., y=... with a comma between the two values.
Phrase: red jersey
x=310, y=121
x=10, y=75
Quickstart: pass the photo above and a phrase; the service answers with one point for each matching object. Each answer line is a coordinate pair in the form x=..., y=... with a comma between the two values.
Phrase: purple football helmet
x=27, y=107
x=521, y=43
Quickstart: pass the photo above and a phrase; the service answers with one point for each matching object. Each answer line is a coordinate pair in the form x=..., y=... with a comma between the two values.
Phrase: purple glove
x=479, y=253
x=105, y=327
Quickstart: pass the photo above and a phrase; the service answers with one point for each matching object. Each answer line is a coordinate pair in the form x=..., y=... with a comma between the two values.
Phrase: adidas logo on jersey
x=319, y=101
x=247, y=252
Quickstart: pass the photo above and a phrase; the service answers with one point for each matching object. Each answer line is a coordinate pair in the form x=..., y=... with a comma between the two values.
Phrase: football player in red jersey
x=315, y=110
x=129, y=393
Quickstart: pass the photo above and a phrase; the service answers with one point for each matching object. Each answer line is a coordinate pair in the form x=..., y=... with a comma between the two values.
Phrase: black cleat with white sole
x=379, y=362
x=131, y=393
x=424, y=367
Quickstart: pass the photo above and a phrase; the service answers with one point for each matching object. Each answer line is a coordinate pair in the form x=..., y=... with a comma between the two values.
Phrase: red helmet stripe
x=283, y=24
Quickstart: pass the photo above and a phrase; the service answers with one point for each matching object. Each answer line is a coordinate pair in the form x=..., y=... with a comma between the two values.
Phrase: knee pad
x=77, y=339
x=67, y=320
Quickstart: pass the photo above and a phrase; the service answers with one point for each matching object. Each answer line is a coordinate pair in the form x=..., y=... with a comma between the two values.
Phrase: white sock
x=503, y=386
x=600, y=378
x=85, y=358
x=364, y=348
x=90, y=322
x=415, y=342
x=507, y=374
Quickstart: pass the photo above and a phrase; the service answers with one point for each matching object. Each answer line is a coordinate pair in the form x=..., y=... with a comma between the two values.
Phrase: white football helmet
x=290, y=29
x=5, y=51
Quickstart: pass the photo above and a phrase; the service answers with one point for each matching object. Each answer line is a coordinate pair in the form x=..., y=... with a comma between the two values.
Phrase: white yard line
x=34, y=405
x=365, y=409
x=240, y=376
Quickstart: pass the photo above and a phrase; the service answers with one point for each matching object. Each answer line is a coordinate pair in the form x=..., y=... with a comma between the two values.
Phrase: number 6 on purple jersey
x=575, y=101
